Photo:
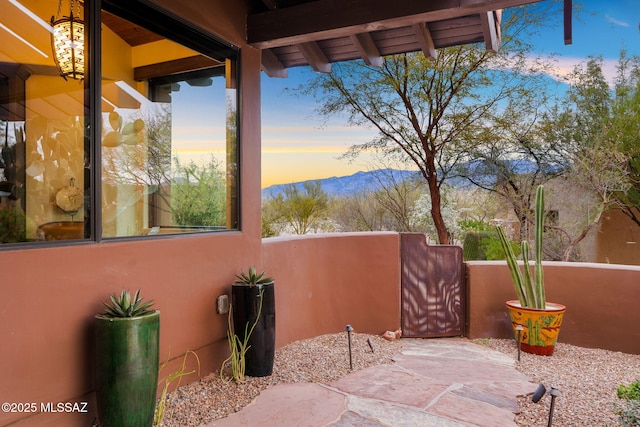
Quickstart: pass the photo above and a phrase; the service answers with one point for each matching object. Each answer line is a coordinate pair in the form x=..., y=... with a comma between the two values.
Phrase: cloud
x=614, y=21
x=563, y=66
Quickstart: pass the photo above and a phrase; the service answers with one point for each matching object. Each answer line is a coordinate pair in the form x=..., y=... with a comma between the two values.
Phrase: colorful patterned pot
x=540, y=328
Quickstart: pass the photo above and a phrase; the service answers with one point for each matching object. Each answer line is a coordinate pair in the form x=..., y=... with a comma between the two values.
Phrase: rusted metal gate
x=433, y=288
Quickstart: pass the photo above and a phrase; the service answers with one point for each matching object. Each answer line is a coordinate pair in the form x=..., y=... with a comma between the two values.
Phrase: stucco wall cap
x=365, y=234
x=553, y=264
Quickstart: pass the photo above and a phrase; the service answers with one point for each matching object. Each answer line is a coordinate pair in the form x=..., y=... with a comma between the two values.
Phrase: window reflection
x=168, y=152
x=42, y=128
x=168, y=157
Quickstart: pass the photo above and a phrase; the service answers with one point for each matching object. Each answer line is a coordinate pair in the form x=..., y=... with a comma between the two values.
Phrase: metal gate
x=433, y=287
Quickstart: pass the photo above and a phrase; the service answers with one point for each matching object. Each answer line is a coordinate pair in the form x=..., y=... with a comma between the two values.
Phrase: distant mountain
x=343, y=186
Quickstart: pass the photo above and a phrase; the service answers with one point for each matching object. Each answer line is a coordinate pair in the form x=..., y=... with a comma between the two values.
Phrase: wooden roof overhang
x=294, y=33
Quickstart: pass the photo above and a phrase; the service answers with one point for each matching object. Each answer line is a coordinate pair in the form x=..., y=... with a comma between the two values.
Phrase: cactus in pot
x=529, y=289
x=254, y=320
x=127, y=338
x=536, y=322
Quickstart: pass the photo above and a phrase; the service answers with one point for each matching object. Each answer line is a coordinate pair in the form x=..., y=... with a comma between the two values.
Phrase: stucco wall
x=601, y=300
x=326, y=282
x=50, y=295
x=323, y=283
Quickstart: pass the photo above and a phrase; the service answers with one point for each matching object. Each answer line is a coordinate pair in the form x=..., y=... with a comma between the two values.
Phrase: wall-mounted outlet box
x=222, y=304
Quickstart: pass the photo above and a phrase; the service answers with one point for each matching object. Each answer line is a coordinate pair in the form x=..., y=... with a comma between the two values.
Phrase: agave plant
x=252, y=278
x=124, y=306
x=530, y=290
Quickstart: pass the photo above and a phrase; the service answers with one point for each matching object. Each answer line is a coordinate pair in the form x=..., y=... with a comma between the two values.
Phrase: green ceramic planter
x=127, y=356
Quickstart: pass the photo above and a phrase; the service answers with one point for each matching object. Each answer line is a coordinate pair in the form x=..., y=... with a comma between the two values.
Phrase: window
x=42, y=130
x=166, y=143
x=169, y=161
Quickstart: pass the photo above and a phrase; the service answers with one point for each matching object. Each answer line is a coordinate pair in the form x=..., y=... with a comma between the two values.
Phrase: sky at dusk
x=298, y=145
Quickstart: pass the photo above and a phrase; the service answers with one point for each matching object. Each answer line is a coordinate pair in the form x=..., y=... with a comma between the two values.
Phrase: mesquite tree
x=426, y=112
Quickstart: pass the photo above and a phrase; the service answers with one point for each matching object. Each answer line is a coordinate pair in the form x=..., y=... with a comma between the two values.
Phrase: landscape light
x=349, y=329
x=519, y=328
x=539, y=394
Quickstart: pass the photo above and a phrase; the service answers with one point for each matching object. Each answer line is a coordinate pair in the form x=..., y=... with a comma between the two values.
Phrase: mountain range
x=343, y=186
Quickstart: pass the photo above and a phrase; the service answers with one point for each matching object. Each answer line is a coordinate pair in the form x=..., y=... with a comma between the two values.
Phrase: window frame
x=174, y=28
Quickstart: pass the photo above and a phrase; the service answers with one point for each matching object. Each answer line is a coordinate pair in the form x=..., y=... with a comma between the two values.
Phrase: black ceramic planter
x=127, y=356
x=246, y=301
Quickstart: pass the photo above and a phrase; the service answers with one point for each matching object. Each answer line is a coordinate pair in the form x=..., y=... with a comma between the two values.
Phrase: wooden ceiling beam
x=490, y=31
x=272, y=66
x=315, y=57
x=291, y=25
x=176, y=66
x=568, y=16
x=367, y=49
x=425, y=40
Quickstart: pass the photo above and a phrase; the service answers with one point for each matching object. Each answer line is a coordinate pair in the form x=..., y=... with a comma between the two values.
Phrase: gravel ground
x=321, y=359
x=587, y=379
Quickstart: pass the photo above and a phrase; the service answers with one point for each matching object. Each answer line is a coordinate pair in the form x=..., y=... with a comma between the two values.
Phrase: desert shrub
x=628, y=413
x=629, y=410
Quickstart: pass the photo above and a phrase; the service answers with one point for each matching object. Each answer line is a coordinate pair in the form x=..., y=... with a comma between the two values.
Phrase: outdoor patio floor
x=437, y=382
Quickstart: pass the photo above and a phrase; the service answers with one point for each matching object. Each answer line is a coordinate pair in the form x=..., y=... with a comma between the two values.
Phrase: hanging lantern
x=67, y=41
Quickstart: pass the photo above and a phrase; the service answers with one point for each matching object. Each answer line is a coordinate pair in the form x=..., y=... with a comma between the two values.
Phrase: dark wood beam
x=331, y=18
x=568, y=16
x=367, y=49
x=315, y=57
x=191, y=63
x=272, y=66
x=489, y=31
x=425, y=40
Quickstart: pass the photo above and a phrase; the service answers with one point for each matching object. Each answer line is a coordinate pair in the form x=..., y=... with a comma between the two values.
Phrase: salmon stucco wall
x=51, y=294
x=326, y=282
x=601, y=300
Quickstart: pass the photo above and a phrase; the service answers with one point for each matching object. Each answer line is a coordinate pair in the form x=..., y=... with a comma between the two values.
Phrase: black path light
x=539, y=394
x=519, y=328
x=349, y=329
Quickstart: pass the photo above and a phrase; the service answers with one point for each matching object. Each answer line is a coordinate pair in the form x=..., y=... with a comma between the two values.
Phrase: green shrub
x=629, y=392
x=484, y=245
x=475, y=225
x=12, y=224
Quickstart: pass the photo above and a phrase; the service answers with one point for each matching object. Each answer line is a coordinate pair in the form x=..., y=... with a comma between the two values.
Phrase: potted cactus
x=127, y=358
x=535, y=321
x=254, y=320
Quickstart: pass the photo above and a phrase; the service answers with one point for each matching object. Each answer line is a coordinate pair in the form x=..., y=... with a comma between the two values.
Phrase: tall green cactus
x=530, y=290
x=471, y=246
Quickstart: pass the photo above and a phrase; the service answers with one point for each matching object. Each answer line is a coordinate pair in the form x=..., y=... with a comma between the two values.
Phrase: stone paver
x=290, y=405
x=436, y=382
x=391, y=384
